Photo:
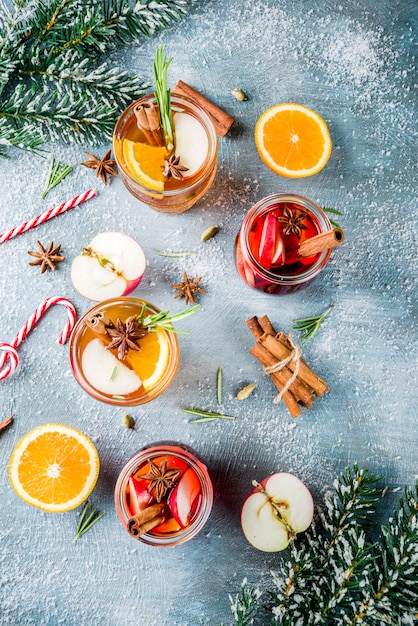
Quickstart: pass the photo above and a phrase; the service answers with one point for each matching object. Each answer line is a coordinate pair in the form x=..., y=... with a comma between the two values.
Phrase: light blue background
x=352, y=62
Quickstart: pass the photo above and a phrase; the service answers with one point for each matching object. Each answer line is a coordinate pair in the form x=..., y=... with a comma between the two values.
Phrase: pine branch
x=392, y=591
x=338, y=576
x=53, y=83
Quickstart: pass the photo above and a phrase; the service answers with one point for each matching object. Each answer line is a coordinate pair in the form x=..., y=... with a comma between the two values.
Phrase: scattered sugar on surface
x=359, y=72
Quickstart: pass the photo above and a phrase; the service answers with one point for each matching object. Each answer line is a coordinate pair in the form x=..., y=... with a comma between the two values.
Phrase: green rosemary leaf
x=334, y=212
x=310, y=325
x=88, y=518
x=55, y=175
x=175, y=254
x=219, y=385
x=162, y=95
x=113, y=374
x=207, y=415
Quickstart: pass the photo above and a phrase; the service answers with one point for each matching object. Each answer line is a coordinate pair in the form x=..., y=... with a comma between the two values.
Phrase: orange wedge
x=145, y=163
x=293, y=140
x=151, y=361
x=54, y=468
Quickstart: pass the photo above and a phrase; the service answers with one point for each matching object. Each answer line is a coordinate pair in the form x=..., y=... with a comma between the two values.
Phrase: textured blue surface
x=352, y=62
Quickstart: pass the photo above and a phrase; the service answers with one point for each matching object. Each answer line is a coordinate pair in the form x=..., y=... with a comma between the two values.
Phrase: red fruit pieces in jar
x=139, y=496
x=184, y=497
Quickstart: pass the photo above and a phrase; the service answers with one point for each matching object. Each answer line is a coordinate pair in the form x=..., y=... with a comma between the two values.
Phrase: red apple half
x=275, y=511
x=110, y=266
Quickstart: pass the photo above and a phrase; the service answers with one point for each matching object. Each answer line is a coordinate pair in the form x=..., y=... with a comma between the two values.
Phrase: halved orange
x=54, y=468
x=151, y=361
x=293, y=140
x=145, y=162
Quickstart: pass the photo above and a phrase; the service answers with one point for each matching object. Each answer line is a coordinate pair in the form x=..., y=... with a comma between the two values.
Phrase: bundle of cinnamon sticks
x=280, y=358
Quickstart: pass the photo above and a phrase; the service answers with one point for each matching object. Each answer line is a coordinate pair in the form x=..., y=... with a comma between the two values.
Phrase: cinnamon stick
x=283, y=351
x=149, y=121
x=146, y=520
x=299, y=390
x=315, y=245
x=255, y=327
x=221, y=120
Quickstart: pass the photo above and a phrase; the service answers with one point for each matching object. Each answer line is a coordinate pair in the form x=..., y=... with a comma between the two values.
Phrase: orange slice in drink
x=145, y=163
x=293, y=140
x=151, y=361
x=54, y=468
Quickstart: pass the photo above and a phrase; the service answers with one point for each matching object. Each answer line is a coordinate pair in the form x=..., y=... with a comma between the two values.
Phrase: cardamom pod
x=239, y=94
x=209, y=233
x=128, y=421
x=246, y=391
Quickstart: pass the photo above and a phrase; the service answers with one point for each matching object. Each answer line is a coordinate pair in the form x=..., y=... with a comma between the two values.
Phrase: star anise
x=125, y=337
x=188, y=288
x=161, y=478
x=292, y=222
x=173, y=169
x=47, y=258
x=103, y=166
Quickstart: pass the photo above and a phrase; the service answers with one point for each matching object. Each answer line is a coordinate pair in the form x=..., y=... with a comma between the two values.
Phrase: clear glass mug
x=279, y=278
x=170, y=532
x=142, y=377
x=177, y=196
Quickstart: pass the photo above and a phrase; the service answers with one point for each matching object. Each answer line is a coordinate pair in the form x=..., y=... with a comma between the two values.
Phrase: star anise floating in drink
x=188, y=288
x=292, y=222
x=125, y=337
x=173, y=169
x=161, y=478
x=103, y=166
x=48, y=257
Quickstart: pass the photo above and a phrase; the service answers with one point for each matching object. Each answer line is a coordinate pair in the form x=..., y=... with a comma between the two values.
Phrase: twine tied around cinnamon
x=295, y=355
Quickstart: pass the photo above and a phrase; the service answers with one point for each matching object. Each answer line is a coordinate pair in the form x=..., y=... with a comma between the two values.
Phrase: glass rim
x=264, y=205
x=209, y=128
x=173, y=449
x=162, y=384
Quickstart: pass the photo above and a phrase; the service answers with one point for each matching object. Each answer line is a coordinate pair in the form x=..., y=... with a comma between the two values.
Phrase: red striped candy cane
x=44, y=217
x=9, y=349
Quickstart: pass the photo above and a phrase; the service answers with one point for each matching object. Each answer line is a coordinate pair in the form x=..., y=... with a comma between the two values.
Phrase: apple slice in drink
x=110, y=266
x=184, y=497
x=139, y=496
x=275, y=511
x=105, y=372
x=192, y=144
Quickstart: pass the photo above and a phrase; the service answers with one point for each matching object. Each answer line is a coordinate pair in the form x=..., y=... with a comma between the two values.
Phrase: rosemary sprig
x=206, y=416
x=334, y=212
x=310, y=325
x=175, y=254
x=87, y=519
x=162, y=95
x=163, y=319
x=219, y=385
x=55, y=175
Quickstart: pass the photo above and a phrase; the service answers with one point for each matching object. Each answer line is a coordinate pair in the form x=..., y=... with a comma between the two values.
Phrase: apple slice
x=110, y=266
x=183, y=499
x=275, y=511
x=192, y=144
x=139, y=496
x=267, y=247
x=105, y=372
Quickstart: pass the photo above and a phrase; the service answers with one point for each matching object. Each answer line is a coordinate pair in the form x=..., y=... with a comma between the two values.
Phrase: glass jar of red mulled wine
x=266, y=250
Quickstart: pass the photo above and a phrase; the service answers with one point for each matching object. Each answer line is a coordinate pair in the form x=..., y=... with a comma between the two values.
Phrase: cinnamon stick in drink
x=221, y=120
x=148, y=120
x=315, y=245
